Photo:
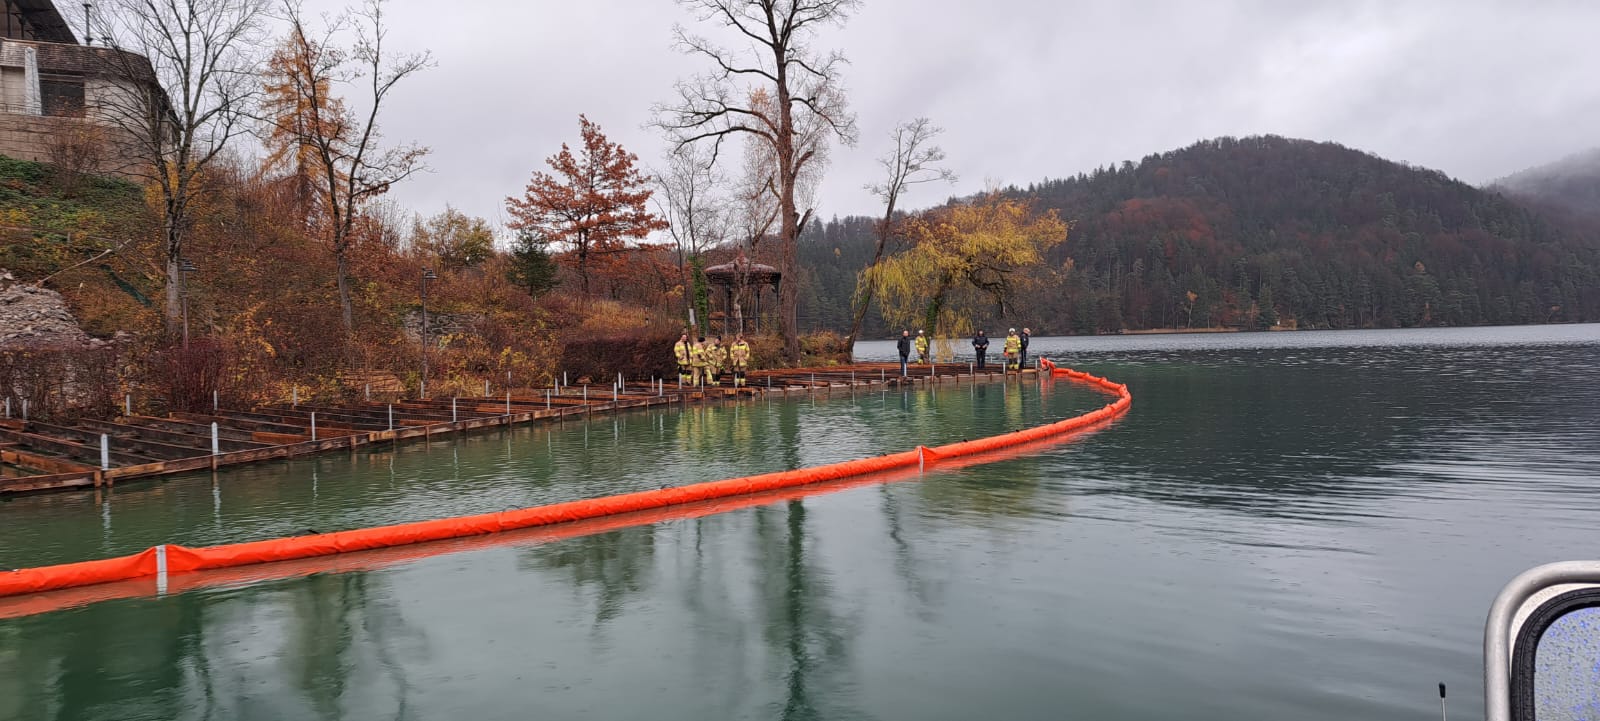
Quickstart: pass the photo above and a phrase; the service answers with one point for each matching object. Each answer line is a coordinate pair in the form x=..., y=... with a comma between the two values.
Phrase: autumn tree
x=456, y=239
x=912, y=162
x=961, y=256
x=291, y=153
x=351, y=165
x=697, y=217
x=593, y=204
x=187, y=76
x=780, y=92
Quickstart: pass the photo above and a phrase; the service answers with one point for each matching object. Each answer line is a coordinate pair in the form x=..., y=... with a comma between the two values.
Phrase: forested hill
x=1264, y=231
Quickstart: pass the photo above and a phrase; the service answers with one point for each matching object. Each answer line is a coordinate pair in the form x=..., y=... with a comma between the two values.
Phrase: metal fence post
x=105, y=452
x=216, y=442
x=391, y=416
x=453, y=417
x=313, y=425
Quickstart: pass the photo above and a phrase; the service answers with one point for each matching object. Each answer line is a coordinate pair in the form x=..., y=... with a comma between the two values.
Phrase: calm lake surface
x=1286, y=525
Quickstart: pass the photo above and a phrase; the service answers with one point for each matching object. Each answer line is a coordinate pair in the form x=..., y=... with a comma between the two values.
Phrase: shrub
x=645, y=354
x=61, y=384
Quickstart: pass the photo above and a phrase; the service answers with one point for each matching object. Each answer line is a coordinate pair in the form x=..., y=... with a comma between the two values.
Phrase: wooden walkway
x=37, y=457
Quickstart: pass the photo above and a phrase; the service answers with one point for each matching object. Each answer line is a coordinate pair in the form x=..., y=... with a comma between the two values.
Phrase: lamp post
x=184, y=269
x=427, y=275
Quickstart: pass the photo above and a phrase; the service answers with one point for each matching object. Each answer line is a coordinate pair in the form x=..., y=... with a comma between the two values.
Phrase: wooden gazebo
x=740, y=280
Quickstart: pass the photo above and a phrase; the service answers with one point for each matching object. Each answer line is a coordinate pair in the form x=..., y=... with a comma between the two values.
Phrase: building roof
x=44, y=20
x=728, y=273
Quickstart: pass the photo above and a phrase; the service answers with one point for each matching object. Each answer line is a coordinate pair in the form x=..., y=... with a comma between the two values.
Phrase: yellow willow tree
x=962, y=257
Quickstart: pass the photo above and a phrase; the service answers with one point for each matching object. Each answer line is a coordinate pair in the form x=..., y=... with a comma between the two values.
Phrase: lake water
x=1286, y=525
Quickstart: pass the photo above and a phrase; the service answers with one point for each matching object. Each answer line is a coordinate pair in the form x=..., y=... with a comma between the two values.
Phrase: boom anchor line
x=160, y=562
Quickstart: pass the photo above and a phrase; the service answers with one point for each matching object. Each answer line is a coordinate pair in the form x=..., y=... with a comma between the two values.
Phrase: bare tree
x=697, y=215
x=911, y=163
x=780, y=92
x=184, y=80
x=351, y=167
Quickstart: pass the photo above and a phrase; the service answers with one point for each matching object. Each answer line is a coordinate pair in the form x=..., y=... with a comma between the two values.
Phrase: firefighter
x=680, y=351
x=1013, y=350
x=922, y=347
x=718, y=361
x=697, y=362
x=740, y=356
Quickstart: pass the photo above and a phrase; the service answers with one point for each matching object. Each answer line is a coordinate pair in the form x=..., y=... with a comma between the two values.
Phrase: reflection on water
x=1280, y=528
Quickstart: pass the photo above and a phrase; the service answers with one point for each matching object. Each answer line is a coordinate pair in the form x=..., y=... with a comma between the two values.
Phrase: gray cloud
x=1025, y=89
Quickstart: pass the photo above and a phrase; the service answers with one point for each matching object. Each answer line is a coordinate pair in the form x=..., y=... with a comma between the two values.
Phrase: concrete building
x=59, y=98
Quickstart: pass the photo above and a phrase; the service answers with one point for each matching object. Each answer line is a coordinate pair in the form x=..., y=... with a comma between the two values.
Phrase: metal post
x=613, y=394
x=215, y=403
x=563, y=377
x=391, y=416
x=216, y=443
x=295, y=394
x=508, y=402
x=127, y=405
x=105, y=452
x=369, y=392
x=586, y=394
x=486, y=388
x=547, y=399
x=24, y=409
x=313, y=425
x=453, y=418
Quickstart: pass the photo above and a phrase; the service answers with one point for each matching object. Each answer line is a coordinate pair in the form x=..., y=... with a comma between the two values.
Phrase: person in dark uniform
x=904, y=346
x=1024, y=359
x=980, y=347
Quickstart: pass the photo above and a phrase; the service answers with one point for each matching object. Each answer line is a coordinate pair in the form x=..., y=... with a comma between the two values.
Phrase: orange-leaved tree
x=592, y=204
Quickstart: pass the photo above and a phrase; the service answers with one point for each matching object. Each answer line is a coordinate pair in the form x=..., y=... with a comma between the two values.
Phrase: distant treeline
x=1266, y=231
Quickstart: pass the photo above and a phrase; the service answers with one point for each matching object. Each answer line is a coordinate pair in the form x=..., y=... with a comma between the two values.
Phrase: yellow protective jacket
x=740, y=354
x=680, y=350
x=1013, y=345
x=697, y=355
x=922, y=345
x=719, y=356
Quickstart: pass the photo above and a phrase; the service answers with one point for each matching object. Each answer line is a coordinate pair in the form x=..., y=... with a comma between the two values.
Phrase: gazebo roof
x=753, y=272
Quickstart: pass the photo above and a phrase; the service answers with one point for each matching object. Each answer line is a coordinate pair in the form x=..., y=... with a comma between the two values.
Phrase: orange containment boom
x=161, y=561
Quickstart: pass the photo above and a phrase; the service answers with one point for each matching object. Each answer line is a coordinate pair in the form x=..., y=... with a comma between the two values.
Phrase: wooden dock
x=38, y=457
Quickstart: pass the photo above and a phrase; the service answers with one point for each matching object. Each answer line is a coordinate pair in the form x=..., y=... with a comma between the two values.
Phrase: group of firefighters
x=1016, y=349
x=703, y=363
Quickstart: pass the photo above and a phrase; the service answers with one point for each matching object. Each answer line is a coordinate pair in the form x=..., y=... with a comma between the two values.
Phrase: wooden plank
x=51, y=482
x=47, y=464
x=143, y=447
x=70, y=449
x=250, y=424
x=195, y=442
x=198, y=430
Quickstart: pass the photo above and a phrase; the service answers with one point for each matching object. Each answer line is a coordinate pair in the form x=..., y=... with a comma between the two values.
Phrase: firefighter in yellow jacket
x=718, y=361
x=1013, y=351
x=697, y=362
x=739, y=355
x=922, y=347
x=680, y=351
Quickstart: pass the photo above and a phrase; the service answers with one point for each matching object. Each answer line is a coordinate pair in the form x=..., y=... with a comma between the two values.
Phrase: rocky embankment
x=36, y=318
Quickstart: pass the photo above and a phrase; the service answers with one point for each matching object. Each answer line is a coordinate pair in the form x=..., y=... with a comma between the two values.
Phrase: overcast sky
x=1025, y=89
